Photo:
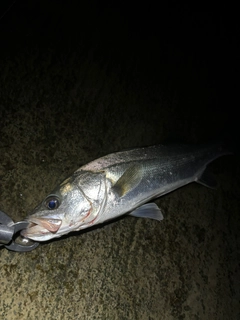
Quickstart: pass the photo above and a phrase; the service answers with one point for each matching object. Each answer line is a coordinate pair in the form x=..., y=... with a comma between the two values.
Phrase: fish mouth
x=45, y=228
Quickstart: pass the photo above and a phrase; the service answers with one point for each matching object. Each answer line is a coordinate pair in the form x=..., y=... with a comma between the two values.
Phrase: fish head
x=64, y=210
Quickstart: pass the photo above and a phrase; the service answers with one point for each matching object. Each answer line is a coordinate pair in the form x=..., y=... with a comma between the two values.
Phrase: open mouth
x=41, y=226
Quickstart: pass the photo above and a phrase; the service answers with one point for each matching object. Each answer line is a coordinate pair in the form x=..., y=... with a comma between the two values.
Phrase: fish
x=118, y=184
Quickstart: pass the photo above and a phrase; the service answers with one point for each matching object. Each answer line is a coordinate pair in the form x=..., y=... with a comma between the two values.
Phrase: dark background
x=188, y=60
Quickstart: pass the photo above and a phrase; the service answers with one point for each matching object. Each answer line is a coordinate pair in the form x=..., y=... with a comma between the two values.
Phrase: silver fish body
x=117, y=184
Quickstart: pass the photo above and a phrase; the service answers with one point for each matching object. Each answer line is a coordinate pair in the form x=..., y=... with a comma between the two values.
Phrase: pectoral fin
x=129, y=180
x=149, y=210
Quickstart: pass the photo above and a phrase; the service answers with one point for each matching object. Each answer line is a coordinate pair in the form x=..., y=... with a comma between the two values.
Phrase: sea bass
x=119, y=183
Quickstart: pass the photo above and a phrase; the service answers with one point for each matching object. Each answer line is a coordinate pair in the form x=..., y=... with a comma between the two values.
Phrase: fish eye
x=52, y=202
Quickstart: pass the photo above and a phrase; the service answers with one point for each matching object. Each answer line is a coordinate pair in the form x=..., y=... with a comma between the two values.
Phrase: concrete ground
x=67, y=98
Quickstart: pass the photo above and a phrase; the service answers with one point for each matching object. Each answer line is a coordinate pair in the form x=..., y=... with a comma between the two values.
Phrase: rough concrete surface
x=68, y=96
